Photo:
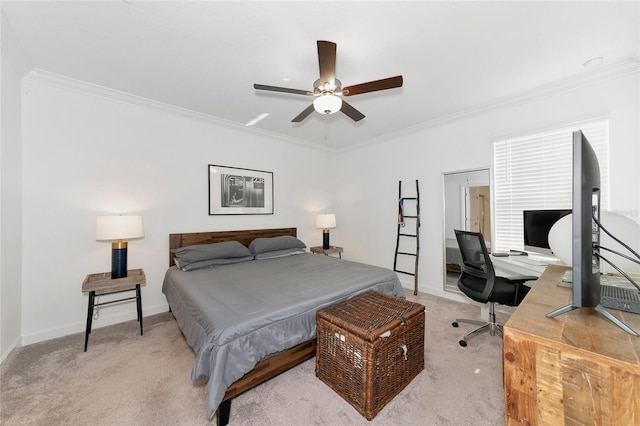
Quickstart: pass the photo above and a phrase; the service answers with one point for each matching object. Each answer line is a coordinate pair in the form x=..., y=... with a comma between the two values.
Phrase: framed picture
x=239, y=191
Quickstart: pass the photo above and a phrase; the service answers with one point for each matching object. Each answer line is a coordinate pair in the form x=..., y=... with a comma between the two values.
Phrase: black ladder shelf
x=405, y=235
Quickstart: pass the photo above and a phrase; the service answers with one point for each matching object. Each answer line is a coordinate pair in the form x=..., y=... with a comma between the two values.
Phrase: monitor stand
x=602, y=311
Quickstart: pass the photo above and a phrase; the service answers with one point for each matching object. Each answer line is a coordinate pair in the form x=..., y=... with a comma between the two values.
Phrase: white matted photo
x=235, y=190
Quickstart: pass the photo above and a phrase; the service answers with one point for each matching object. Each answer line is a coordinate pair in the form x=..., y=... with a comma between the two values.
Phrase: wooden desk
x=576, y=368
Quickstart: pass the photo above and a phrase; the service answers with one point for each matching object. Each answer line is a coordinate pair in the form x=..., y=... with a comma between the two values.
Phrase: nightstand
x=101, y=284
x=327, y=252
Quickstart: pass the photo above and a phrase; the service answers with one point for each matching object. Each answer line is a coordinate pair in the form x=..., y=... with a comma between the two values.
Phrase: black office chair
x=479, y=282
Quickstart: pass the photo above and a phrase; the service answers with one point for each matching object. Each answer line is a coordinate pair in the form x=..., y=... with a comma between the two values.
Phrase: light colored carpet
x=128, y=379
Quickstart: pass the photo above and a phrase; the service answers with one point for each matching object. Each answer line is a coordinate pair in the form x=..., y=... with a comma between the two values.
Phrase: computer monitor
x=586, y=233
x=536, y=226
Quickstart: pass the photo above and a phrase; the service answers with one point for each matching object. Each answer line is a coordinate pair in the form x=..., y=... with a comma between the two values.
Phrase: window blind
x=534, y=172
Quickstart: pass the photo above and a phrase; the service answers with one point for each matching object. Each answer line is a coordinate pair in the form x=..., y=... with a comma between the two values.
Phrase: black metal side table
x=101, y=284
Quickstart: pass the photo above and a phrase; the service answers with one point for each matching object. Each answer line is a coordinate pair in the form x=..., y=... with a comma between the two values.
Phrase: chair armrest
x=519, y=279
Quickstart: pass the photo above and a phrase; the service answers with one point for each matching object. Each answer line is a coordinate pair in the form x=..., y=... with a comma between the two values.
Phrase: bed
x=250, y=320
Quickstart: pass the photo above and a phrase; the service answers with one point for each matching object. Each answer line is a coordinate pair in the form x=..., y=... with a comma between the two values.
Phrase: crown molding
x=68, y=83
x=590, y=77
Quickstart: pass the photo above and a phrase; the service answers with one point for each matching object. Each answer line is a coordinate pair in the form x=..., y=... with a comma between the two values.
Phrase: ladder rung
x=403, y=272
x=416, y=218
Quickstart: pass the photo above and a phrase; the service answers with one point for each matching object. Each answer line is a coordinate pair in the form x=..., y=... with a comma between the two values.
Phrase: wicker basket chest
x=369, y=348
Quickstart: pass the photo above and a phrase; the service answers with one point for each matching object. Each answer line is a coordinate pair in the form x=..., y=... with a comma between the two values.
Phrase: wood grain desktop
x=577, y=368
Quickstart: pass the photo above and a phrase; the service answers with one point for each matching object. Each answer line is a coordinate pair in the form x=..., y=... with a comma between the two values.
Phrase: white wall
x=85, y=156
x=368, y=177
x=14, y=65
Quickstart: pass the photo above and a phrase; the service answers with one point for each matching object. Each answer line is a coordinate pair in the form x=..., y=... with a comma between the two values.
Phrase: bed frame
x=269, y=367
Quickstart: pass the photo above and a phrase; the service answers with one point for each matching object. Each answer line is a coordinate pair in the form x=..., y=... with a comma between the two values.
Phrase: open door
x=478, y=210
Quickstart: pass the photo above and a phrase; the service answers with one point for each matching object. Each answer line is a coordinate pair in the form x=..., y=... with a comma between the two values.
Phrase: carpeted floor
x=128, y=379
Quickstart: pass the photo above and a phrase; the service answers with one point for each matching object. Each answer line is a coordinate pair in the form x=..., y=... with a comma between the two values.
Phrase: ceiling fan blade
x=304, y=114
x=351, y=112
x=327, y=61
x=281, y=89
x=373, y=86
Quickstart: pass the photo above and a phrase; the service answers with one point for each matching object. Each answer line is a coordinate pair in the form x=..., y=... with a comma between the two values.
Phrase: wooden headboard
x=244, y=237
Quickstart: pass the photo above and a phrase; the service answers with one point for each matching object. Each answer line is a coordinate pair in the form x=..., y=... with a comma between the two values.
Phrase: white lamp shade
x=624, y=228
x=560, y=239
x=327, y=104
x=119, y=227
x=326, y=221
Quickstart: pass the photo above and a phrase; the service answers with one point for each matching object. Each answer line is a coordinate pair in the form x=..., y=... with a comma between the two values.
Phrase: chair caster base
x=463, y=343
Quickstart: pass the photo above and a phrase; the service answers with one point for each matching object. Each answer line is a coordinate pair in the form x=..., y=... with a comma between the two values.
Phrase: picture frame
x=234, y=190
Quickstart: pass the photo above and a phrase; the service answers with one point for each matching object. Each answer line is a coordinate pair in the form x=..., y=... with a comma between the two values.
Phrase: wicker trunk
x=369, y=348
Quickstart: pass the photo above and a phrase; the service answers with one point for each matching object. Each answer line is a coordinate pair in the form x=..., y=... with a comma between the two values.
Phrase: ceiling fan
x=328, y=89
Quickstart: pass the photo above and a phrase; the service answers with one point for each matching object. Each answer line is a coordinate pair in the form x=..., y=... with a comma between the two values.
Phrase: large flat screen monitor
x=536, y=226
x=586, y=233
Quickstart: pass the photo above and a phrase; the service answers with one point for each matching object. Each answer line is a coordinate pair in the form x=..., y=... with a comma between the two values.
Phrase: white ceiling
x=455, y=57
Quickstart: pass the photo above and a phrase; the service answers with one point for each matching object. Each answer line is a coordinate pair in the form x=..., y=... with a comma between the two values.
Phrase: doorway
x=478, y=210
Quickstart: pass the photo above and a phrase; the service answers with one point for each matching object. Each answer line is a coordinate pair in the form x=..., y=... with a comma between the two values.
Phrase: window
x=534, y=172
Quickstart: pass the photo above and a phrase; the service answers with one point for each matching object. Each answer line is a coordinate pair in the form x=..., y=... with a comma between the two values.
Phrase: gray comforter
x=234, y=316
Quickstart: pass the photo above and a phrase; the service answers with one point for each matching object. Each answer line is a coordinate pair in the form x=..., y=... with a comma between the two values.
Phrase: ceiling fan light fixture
x=328, y=91
x=327, y=103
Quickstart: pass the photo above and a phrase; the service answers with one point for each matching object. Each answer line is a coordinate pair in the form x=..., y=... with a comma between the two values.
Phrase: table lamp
x=325, y=222
x=118, y=229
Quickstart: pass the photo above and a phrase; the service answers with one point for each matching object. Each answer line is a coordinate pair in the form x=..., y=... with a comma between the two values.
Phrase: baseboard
x=9, y=354
x=81, y=326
